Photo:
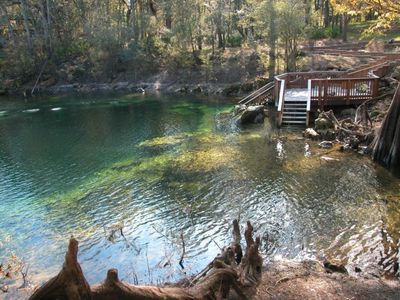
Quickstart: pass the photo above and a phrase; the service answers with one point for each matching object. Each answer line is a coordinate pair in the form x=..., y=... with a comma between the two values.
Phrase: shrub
x=317, y=33
x=234, y=41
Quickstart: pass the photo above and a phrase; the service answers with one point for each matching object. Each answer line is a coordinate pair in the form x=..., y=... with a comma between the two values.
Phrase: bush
x=72, y=50
x=317, y=33
x=332, y=32
x=234, y=41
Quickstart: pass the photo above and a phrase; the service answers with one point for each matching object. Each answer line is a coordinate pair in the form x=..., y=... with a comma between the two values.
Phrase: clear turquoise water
x=166, y=165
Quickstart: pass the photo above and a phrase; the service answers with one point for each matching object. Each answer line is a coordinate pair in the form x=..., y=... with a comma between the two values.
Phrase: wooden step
x=289, y=113
x=294, y=122
x=293, y=118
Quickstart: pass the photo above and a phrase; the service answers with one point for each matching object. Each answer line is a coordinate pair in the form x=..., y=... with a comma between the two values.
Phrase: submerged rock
x=250, y=115
x=326, y=145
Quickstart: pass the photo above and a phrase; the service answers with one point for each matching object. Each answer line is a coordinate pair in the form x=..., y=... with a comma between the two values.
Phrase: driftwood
x=230, y=273
x=348, y=127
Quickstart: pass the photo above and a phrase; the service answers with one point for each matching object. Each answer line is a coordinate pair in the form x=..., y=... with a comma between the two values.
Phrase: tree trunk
x=386, y=150
x=344, y=22
x=24, y=11
x=229, y=271
x=326, y=14
x=272, y=40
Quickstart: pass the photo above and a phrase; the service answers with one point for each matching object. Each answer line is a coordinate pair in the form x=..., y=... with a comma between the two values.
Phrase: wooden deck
x=298, y=94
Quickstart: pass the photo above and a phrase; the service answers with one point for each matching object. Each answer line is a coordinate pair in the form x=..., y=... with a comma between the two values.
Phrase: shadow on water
x=162, y=166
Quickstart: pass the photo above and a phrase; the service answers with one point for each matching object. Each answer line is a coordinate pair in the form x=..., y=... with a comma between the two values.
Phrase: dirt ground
x=310, y=280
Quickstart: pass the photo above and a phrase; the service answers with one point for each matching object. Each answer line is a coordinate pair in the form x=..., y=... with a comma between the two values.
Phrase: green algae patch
x=206, y=160
x=163, y=141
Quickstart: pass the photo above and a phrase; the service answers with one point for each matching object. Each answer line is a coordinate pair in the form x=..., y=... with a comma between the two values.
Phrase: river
x=163, y=165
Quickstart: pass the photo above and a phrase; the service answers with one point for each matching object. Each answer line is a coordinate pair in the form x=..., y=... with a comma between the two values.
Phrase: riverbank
x=234, y=72
x=288, y=279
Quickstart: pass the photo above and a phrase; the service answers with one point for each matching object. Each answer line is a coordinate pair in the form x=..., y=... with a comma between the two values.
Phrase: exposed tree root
x=230, y=272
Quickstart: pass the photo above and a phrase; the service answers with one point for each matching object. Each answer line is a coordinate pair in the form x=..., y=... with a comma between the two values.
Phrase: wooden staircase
x=295, y=112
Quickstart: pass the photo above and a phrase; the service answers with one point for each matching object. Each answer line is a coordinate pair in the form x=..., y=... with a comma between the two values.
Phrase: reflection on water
x=162, y=166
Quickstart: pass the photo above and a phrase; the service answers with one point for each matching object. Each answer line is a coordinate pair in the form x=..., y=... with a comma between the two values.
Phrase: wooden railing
x=258, y=95
x=281, y=99
x=343, y=91
x=299, y=80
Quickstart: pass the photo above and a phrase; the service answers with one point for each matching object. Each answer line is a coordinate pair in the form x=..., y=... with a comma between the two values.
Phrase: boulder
x=50, y=81
x=231, y=90
x=252, y=115
x=197, y=90
x=322, y=124
x=326, y=145
x=310, y=133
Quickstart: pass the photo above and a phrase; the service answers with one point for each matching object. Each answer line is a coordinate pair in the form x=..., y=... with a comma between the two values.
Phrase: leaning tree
x=386, y=148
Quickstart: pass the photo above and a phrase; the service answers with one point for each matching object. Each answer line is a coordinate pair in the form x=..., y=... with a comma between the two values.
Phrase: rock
x=182, y=90
x=310, y=133
x=239, y=109
x=323, y=124
x=252, y=114
x=326, y=145
x=247, y=87
x=64, y=88
x=334, y=268
x=231, y=90
x=118, y=86
x=327, y=135
x=49, y=82
x=197, y=90
x=353, y=142
x=327, y=158
x=347, y=113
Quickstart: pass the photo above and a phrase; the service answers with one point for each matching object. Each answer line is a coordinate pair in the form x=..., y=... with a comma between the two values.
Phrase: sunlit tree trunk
x=386, y=149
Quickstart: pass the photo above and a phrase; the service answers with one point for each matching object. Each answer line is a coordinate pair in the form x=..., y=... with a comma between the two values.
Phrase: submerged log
x=229, y=273
x=386, y=150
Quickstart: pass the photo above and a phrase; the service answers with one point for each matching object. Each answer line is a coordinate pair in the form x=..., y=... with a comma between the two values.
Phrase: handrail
x=257, y=93
x=281, y=100
x=308, y=110
x=271, y=87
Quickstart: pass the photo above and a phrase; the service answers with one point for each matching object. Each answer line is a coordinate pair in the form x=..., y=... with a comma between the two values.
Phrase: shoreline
x=292, y=279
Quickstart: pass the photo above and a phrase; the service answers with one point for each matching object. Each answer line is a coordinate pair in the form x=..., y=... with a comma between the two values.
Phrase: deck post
x=320, y=104
x=348, y=87
x=375, y=88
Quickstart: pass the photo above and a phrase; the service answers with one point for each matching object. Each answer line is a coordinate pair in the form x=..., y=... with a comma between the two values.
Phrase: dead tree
x=230, y=273
x=386, y=150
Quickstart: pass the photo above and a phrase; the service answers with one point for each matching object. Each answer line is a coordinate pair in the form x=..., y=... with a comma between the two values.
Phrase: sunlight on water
x=162, y=166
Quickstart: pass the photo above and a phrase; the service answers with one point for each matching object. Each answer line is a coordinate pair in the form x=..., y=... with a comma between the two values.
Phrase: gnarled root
x=229, y=271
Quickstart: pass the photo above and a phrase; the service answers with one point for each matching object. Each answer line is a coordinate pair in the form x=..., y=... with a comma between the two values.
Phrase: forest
x=91, y=40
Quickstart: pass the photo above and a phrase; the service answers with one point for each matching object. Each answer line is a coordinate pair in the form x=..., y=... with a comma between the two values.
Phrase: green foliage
x=72, y=50
x=234, y=41
x=317, y=32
